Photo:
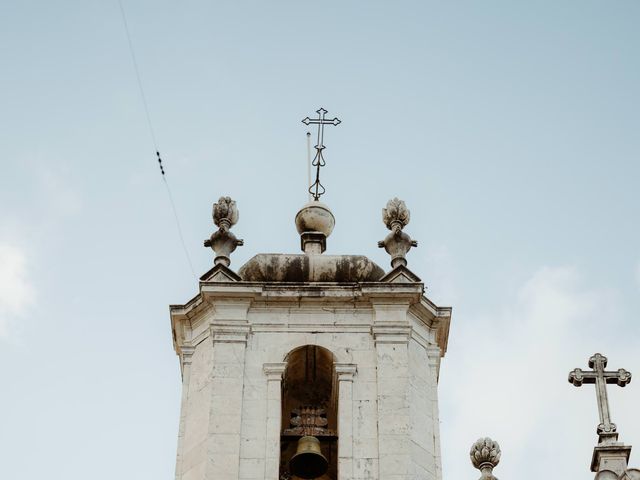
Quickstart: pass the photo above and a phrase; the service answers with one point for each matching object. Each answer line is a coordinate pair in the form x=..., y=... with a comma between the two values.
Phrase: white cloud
x=16, y=292
x=505, y=376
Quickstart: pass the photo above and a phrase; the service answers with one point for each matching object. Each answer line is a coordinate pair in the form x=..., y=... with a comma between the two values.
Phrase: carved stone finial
x=396, y=211
x=223, y=242
x=396, y=216
x=225, y=213
x=485, y=455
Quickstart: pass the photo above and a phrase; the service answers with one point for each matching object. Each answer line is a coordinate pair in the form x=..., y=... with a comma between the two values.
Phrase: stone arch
x=309, y=404
x=291, y=350
x=280, y=350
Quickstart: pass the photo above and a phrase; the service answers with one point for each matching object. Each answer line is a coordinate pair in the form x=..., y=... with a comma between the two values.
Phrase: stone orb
x=315, y=217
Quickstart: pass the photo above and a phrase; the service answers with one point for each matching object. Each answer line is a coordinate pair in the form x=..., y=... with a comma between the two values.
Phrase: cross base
x=613, y=457
x=607, y=438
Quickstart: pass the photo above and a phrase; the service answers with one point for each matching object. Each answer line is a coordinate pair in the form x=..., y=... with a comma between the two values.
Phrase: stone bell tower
x=309, y=365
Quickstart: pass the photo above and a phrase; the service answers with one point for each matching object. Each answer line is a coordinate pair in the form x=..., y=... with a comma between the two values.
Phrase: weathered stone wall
x=233, y=354
x=197, y=382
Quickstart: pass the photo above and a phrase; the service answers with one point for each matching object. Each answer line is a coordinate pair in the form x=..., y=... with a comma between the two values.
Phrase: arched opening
x=309, y=407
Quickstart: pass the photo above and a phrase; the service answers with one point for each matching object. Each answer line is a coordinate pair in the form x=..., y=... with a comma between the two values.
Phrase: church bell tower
x=309, y=365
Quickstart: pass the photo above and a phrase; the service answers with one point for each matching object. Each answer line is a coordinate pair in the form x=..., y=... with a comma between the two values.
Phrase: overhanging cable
x=139, y=79
x=153, y=135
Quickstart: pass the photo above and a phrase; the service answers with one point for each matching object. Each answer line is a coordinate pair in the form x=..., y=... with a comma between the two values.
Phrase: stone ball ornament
x=315, y=217
x=485, y=455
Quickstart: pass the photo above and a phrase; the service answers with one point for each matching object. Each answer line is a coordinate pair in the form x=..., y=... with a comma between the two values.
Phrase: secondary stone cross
x=607, y=430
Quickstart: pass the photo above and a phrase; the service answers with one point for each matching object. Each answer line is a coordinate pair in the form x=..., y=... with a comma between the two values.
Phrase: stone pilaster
x=345, y=373
x=229, y=332
x=273, y=372
x=394, y=421
x=186, y=357
x=195, y=421
x=433, y=354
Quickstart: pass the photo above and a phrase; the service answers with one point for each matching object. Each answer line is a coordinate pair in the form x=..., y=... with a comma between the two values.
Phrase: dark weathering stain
x=297, y=269
x=345, y=270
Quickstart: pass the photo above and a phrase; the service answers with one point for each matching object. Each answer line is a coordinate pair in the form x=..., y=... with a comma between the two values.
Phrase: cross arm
x=320, y=121
x=578, y=376
x=621, y=377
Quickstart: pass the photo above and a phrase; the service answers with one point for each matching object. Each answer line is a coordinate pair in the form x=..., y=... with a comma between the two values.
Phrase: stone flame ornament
x=223, y=242
x=485, y=455
x=396, y=216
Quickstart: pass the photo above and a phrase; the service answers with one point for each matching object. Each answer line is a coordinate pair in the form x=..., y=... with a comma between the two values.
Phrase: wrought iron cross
x=606, y=429
x=316, y=189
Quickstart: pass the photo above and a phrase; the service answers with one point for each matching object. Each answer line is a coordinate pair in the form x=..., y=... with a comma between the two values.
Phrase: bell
x=308, y=462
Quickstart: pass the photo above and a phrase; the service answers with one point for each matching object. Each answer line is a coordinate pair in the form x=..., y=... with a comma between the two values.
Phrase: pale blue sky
x=510, y=128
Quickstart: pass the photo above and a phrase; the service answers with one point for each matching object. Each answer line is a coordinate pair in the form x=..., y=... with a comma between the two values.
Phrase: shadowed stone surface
x=310, y=268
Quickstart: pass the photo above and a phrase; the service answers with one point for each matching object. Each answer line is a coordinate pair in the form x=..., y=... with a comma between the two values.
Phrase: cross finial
x=607, y=430
x=316, y=189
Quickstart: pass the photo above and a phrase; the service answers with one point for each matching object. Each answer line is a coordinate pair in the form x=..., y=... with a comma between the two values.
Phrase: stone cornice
x=230, y=301
x=284, y=290
x=287, y=291
x=420, y=339
x=435, y=318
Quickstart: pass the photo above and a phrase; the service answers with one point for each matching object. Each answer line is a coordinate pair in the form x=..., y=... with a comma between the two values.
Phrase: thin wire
x=137, y=70
x=153, y=136
x=175, y=214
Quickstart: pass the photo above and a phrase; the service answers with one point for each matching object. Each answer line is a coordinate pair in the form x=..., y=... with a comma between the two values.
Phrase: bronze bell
x=308, y=462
